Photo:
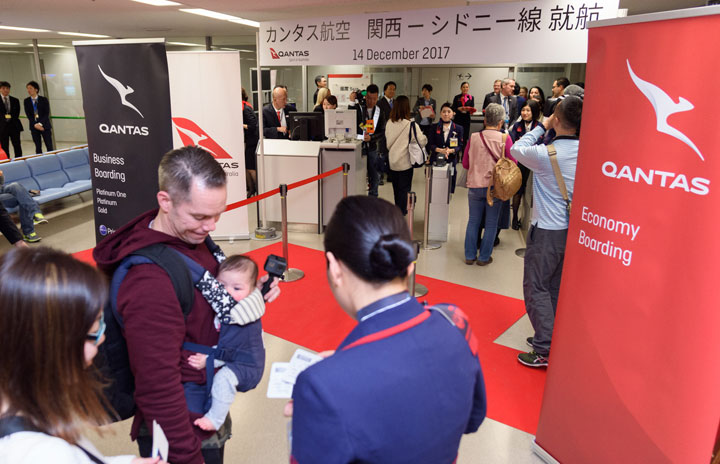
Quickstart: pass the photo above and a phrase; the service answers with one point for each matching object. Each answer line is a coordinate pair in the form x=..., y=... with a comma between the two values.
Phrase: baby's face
x=237, y=283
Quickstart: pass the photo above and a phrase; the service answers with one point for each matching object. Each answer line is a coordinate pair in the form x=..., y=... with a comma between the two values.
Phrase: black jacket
x=271, y=123
x=43, y=111
x=377, y=139
x=13, y=124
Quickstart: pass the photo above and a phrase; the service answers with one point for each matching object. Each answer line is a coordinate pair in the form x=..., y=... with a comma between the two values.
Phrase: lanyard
x=390, y=331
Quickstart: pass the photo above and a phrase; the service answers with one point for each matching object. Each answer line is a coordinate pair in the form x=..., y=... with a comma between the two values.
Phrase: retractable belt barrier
x=292, y=274
x=269, y=193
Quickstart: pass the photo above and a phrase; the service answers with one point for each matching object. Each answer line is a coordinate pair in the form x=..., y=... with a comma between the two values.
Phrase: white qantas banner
x=542, y=31
x=206, y=97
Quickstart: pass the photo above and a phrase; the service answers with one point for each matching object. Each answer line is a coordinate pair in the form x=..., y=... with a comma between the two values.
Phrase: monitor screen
x=306, y=126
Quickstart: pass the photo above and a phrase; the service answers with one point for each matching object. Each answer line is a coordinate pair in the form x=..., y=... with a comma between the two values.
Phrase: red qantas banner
x=634, y=371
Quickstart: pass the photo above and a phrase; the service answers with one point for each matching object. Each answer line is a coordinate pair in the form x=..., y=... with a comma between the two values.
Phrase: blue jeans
x=373, y=174
x=478, y=205
x=27, y=206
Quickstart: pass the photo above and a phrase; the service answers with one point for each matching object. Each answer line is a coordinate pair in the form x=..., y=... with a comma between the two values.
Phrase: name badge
x=370, y=126
x=36, y=115
x=7, y=116
x=453, y=142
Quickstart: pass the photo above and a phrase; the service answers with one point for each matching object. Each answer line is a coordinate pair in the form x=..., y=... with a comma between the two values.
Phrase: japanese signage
x=544, y=31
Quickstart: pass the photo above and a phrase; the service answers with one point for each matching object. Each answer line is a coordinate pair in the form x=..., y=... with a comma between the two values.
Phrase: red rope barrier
x=272, y=192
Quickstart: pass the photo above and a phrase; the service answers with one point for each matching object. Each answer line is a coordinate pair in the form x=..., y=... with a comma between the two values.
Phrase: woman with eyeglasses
x=51, y=325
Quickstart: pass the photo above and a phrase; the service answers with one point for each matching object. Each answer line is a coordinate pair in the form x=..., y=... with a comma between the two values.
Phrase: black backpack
x=112, y=359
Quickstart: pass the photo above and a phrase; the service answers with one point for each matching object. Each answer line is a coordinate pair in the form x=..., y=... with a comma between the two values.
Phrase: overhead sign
x=542, y=31
x=127, y=115
x=633, y=374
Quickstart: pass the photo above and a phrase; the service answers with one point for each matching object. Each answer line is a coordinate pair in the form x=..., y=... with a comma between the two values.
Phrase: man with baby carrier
x=161, y=335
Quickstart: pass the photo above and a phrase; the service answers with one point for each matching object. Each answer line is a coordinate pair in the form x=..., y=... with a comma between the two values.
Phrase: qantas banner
x=634, y=373
x=207, y=111
x=540, y=31
x=127, y=115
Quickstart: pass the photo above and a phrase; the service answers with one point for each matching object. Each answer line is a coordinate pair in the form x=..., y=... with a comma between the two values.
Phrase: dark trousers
x=544, y=258
x=402, y=183
x=40, y=136
x=13, y=136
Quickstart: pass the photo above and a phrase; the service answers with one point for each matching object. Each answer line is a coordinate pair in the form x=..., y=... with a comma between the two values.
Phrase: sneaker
x=32, y=237
x=39, y=219
x=529, y=341
x=532, y=359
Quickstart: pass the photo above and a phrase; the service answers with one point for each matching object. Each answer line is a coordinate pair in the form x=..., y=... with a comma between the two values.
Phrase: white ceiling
x=124, y=18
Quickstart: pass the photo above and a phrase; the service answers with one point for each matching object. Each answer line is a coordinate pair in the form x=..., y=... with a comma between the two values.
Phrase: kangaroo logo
x=122, y=90
x=664, y=107
x=274, y=54
x=191, y=134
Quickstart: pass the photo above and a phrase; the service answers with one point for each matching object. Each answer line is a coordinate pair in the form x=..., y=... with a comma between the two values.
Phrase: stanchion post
x=427, y=245
x=290, y=274
x=346, y=170
x=414, y=288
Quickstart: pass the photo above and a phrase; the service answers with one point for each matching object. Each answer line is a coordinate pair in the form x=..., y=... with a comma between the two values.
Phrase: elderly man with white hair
x=275, y=114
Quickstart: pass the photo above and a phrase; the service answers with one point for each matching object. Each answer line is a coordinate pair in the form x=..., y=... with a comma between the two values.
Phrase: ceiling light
x=83, y=34
x=49, y=46
x=9, y=43
x=24, y=29
x=246, y=22
x=158, y=2
x=209, y=14
x=185, y=44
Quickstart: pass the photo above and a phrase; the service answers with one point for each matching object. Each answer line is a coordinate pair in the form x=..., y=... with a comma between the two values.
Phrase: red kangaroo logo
x=274, y=54
x=191, y=134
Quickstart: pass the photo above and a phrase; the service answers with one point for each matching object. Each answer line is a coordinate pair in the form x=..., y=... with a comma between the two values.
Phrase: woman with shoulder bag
x=51, y=322
x=397, y=136
x=481, y=153
x=529, y=116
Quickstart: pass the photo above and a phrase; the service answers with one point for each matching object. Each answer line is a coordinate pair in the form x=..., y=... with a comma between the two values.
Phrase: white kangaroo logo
x=123, y=90
x=664, y=106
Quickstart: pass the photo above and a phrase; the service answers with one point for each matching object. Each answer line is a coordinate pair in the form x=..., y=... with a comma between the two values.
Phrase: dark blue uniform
x=401, y=388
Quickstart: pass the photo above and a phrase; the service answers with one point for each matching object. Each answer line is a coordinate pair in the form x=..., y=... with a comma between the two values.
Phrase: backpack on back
x=112, y=359
x=507, y=178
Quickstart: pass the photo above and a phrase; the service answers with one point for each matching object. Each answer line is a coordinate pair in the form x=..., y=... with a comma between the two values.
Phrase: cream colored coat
x=397, y=138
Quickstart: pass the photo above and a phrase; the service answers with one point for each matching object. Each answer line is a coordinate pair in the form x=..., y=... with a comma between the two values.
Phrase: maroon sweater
x=155, y=331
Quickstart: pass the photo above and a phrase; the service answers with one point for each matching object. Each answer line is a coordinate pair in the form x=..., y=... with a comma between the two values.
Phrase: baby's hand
x=197, y=360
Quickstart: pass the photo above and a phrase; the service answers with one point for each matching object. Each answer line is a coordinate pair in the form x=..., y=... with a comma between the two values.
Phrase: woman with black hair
x=51, y=323
x=537, y=94
x=464, y=106
x=405, y=384
x=446, y=140
x=529, y=117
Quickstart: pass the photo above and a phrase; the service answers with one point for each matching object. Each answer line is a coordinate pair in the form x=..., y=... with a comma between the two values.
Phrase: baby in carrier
x=241, y=332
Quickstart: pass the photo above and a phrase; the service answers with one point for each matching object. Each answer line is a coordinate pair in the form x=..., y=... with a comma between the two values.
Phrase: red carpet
x=307, y=314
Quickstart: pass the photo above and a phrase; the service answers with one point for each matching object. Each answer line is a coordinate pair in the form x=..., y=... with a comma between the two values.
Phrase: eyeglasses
x=95, y=336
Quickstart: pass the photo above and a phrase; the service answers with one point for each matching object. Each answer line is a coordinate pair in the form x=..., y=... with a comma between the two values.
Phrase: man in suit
x=275, y=115
x=386, y=102
x=10, y=125
x=558, y=89
x=320, y=83
x=426, y=124
x=496, y=91
x=507, y=100
x=371, y=117
x=37, y=110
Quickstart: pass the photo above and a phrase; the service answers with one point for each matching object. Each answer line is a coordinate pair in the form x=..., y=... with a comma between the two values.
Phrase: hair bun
x=390, y=257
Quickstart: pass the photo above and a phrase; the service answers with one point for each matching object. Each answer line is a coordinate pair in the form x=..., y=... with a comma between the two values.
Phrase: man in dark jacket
x=372, y=119
x=191, y=199
x=37, y=110
x=10, y=125
x=507, y=100
x=275, y=115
